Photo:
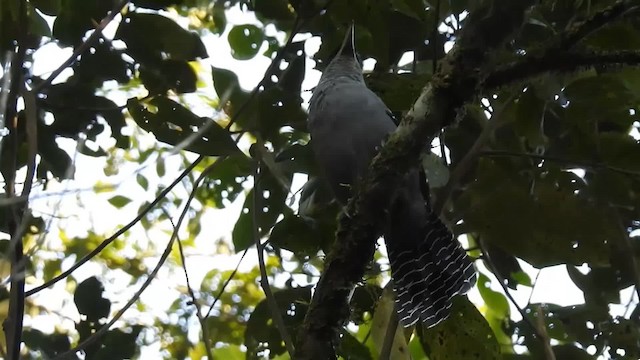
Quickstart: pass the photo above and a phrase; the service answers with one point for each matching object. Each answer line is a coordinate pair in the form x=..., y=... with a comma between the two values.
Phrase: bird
x=348, y=124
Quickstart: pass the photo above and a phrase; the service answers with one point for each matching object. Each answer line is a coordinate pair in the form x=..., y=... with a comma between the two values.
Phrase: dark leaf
x=464, y=335
x=261, y=333
x=89, y=301
x=174, y=124
x=152, y=37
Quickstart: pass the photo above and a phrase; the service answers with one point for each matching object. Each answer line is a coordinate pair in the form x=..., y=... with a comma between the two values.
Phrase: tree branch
x=557, y=55
x=569, y=162
x=103, y=330
x=264, y=278
x=97, y=32
x=488, y=26
x=206, y=339
x=566, y=61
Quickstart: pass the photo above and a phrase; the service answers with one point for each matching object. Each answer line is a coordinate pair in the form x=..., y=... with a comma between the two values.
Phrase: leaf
x=261, y=333
x=543, y=224
x=119, y=201
x=117, y=344
x=384, y=309
x=174, y=124
x=364, y=300
x=465, y=334
x=352, y=349
x=245, y=41
x=437, y=172
x=297, y=235
x=504, y=265
x=89, y=301
x=49, y=344
x=153, y=37
x=142, y=181
x=162, y=76
x=270, y=208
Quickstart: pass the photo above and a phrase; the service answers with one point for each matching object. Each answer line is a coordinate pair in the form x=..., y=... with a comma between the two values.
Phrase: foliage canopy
x=542, y=167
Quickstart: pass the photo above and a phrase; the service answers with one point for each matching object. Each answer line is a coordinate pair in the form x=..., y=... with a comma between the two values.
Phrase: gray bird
x=348, y=125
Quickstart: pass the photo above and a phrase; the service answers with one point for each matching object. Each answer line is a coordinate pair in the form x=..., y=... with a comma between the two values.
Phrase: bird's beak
x=348, y=47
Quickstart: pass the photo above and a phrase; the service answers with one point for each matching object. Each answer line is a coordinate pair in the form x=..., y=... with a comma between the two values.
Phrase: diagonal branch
x=488, y=26
x=105, y=328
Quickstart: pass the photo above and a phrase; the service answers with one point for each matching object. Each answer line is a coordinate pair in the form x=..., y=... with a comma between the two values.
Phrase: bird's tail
x=428, y=274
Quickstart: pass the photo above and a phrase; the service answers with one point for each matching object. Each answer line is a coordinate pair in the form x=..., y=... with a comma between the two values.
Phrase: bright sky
x=553, y=286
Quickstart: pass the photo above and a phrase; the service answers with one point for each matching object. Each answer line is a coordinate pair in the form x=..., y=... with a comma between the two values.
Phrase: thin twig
x=390, y=334
x=122, y=230
x=84, y=46
x=226, y=283
x=205, y=330
x=264, y=279
x=544, y=336
x=501, y=280
x=98, y=334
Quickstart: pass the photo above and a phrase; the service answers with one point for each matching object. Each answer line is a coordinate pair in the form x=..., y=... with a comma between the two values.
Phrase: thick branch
x=557, y=54
x=457, y=81
x=567, y=61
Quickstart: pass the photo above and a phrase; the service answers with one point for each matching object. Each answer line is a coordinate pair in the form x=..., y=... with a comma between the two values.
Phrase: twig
x=194, y=300
x=83, y=47
x=577, y=163
x=390, y=334
x=95, y=336
x=226, y=283
x=122, y=230
x=544, y=336
x=264, y=279
x=506, y=291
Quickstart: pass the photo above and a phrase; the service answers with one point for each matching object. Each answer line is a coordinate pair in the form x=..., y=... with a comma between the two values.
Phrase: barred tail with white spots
x=427, y=277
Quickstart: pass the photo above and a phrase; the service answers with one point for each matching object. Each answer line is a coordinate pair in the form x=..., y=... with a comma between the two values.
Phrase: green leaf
x=142, y=181
x=261, y=332
x=465, y=334
x=245, y=41
x=385, y=307
x=271, y=203
x=543, y=224
x=437, y=172
x=119, y=201
x=174, y=124
x=297, y=235
x=89, y=301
